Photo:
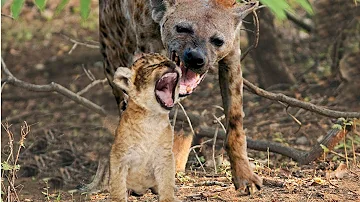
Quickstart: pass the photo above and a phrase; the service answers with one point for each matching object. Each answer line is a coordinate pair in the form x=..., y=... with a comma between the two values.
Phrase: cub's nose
x=194, y=59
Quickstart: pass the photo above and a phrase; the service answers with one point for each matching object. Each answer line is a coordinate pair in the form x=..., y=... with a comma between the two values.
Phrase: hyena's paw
x=245, y=180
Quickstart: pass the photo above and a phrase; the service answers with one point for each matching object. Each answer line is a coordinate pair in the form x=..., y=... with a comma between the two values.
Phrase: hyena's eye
x=216, y=41
x=185, y=30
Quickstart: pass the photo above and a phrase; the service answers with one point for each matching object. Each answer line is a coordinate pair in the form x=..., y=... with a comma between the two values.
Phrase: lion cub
x=141, y=156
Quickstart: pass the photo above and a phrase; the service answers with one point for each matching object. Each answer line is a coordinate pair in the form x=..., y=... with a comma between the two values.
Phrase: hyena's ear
x=242, y=10
x=158, y=8
x=122, y=78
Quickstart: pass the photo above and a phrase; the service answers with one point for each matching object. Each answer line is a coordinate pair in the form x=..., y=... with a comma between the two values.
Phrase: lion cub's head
x=152, y=82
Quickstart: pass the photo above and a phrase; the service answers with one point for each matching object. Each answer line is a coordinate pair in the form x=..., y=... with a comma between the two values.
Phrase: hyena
x=197, y=35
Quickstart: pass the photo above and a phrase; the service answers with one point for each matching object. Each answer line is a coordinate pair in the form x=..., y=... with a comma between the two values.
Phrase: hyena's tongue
x=164, y=89
x=188, y=82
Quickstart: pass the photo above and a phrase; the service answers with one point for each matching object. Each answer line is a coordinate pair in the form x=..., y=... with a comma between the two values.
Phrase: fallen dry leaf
x=339, y=173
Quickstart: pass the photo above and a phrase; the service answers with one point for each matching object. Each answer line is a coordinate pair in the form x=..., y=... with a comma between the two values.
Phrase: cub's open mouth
x=165, y=89
x=189, y=80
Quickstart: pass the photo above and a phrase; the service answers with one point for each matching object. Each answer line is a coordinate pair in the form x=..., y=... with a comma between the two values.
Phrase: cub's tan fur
x=141, y=156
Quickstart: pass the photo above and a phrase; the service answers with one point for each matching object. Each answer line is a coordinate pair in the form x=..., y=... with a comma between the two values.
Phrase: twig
x=210, y=183
x=197, y=157
x=221, y=124
x=52, y=87
x=292, y=116
x=299, y=22
x=92, y=84
x=76, y=43
x=88, y=73
x=187, y=117
x=8, y=16
x=256, y=38
x=297, y=103
x=201, y=144
x=213, y=148
x=345, y=150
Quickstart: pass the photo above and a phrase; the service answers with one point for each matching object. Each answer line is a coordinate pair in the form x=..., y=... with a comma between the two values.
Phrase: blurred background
x=309, y=50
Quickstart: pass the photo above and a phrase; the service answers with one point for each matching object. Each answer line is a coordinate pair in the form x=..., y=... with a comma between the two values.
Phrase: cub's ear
x=122, y=78
x=158, y=8
x=242, y=10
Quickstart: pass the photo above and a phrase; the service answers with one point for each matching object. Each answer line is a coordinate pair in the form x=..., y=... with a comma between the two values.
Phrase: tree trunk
x=267, y=58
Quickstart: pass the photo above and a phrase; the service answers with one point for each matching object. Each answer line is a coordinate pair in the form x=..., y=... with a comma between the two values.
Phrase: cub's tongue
x=164, y=89
x=188, y=82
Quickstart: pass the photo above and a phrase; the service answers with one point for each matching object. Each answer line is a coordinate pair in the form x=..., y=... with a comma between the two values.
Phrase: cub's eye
x=186, y=30
x=216, y=41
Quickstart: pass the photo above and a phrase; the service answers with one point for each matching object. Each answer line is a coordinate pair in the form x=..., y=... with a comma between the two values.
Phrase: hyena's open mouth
x=189, y=80
x=165, y=89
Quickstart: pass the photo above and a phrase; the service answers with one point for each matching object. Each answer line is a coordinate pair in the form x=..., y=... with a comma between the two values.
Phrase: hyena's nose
x=194, y=59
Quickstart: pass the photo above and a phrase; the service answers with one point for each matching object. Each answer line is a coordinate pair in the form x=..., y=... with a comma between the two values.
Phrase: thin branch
x=197, y=158
x=7, y=16
x=187, y=118
x=201, y=144
x=297, y=103
x=92, y=84
x=213, y=148
x=52, y=87
x=76, y=43
x=88, y=73
x=256, y=38
x=219, y=122
x=299, y=22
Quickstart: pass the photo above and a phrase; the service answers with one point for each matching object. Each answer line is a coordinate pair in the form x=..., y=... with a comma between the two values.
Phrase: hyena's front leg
x=231, y=85
x=165, y=177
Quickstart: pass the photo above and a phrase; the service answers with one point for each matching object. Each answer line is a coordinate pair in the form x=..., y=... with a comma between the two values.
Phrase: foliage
x=17, y=5
x=280, y=7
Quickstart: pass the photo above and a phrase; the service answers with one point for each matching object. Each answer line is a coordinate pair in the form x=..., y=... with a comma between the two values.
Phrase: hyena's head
x=198, y=33
x=152, y=82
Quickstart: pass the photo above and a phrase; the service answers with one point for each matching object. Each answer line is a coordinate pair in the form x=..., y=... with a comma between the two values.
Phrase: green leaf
x=84, y=8
x=40, y=4
x=326, y=150
x=336, y=126
x=61, y=6
x=306, y=6
x=6, y=166
x=278, y=7
x=16, y=7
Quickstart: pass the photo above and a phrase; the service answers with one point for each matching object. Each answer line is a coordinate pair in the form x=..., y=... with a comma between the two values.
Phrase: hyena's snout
x=194, y=59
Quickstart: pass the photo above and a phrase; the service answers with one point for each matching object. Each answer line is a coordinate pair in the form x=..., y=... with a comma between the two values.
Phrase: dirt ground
x=67, y=140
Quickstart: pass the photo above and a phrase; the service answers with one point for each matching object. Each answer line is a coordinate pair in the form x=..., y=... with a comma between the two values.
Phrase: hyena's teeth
x=197, y=77
x=188, y=89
